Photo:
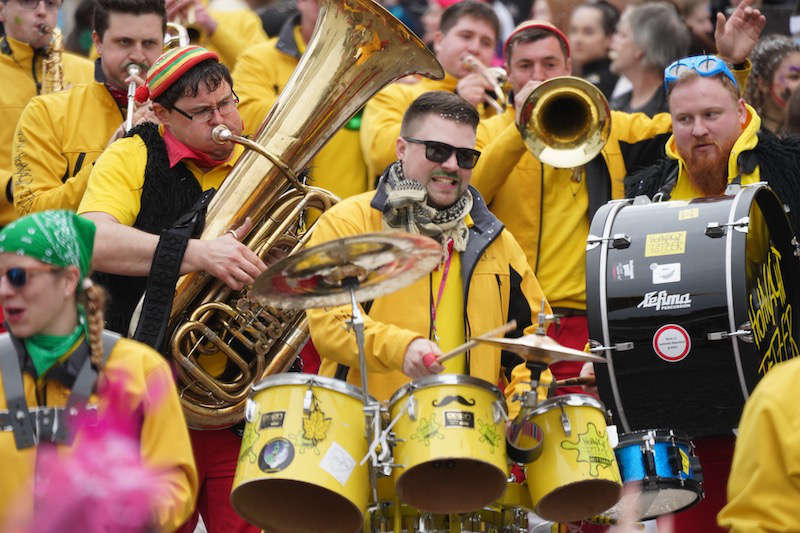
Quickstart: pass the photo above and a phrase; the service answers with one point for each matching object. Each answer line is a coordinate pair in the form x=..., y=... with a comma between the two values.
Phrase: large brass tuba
x=565, y=122
x=357, y=48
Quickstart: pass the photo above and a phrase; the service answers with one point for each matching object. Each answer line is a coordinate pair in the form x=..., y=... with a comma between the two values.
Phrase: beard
x=708, y=172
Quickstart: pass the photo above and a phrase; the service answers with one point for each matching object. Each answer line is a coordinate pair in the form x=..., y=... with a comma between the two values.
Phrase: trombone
x=565, y=122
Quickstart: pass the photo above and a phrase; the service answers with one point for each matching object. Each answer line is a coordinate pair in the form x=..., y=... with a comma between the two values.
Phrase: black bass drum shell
x=666, y=283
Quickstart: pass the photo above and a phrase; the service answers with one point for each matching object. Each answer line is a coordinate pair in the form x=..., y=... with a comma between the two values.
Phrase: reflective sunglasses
x=704, y=65
x=440, y=152
x=18, y=276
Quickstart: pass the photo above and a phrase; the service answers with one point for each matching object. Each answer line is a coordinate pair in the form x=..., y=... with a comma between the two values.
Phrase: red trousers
x=572, y=332
x=216, y=453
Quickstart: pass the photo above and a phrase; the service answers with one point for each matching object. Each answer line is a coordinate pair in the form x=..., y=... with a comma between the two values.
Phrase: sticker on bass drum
x=672, y=343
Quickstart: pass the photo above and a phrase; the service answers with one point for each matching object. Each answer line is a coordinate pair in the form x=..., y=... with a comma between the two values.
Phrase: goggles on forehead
x=705, y=65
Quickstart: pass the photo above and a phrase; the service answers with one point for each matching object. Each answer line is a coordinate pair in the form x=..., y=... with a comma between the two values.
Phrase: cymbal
x=374, y=264
x=541, y=349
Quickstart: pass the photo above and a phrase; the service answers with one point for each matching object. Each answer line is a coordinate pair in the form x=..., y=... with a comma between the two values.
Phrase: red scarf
x=177, y=151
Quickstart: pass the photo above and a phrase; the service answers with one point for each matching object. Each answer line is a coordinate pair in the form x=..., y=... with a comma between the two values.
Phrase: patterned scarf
x=408, y=211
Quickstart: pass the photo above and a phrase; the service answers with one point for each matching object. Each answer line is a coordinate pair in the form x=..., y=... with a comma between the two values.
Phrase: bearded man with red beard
x=716, y=141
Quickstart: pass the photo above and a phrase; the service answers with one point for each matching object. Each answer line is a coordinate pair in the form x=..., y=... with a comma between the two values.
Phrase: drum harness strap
x=665, y=192
x=42, y=423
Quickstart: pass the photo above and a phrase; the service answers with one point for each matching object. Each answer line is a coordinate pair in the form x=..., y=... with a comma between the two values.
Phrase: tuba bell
x=357, y=48
x=565, y=122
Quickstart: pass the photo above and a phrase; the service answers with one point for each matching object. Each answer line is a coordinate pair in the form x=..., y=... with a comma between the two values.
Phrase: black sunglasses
x=18, y=276
x=440, y=152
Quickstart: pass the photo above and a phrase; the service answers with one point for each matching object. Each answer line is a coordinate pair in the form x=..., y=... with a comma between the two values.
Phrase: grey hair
x=659, y=31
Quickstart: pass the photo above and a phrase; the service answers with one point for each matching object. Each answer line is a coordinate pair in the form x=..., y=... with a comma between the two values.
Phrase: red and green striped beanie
x=170, y=66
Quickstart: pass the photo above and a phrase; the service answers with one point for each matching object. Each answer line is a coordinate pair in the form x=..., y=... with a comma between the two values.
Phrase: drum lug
x=249, y=410
x=565, y=421
x=307, y=401
x=498, y=412
x=745, y=334
x=411, y=408
x=716, y=230
x=620, y=346
x=619, y=241
x=796, y=247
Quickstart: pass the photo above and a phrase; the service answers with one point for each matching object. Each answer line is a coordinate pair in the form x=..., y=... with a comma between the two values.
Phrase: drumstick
x=431, y=358
x=588, y=381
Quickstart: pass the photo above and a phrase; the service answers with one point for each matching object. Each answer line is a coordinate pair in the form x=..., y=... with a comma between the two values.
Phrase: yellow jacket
x=495, y=275
x=20, y=71
x=55, y=147
x=165, y=445
x=764, y=484
x=260, y=75
x=383, y=115
x=548, y=215
x=236, y=31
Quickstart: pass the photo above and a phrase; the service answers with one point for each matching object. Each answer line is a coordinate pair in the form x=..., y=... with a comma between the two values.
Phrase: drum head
x=451, y=486
x=285, y=505
x=580, y=500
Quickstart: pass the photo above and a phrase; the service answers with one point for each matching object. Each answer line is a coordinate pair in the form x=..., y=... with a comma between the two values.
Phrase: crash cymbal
x=374, y=264
x=541, y=349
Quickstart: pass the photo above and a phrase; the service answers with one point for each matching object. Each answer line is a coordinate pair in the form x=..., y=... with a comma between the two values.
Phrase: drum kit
x=319, y=454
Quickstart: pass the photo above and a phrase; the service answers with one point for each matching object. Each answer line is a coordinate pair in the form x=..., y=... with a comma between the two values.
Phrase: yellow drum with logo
x=576, y=475
x=450, y=442
x=298, y=467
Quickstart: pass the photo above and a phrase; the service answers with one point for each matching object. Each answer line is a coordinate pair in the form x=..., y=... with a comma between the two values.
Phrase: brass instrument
x=52, y=65
x=565, y=122
x=357, y=48
x=497, y=78
x=176, y=34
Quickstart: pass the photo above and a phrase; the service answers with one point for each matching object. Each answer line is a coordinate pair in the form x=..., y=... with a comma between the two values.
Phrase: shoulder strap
x=19, y=417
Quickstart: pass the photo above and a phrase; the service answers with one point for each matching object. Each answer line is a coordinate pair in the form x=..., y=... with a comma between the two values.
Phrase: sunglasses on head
x=439, y=152
x=704, y=65
x=18, y=276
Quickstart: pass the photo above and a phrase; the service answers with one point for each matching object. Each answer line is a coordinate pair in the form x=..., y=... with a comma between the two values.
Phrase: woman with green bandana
x=60, y=371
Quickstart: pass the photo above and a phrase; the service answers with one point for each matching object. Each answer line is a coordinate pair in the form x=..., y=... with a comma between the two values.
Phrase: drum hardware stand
x=619, y=241
x=716, y=230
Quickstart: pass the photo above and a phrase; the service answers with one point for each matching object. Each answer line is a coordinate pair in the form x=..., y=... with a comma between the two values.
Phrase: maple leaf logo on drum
x=315, y=426
x=593, y=448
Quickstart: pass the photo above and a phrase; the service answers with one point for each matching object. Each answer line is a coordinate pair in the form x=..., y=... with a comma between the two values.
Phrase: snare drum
x=693, y=301
x=664, y=465
x=298, y=467
x=450, y=442
x=576, y=476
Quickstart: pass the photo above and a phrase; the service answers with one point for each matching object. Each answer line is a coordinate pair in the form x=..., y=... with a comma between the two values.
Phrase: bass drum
x=691, y=302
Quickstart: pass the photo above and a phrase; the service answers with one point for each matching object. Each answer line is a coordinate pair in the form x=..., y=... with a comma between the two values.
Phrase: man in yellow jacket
x=484, y=279
x=261, y=74
x=468, y=28
x=28, y=25
x=551, y=218
x=55, y=146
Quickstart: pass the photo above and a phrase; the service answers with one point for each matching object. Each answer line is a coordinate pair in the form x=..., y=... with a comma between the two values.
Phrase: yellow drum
x=577, y=475
x=450, y=442
x=298, y=467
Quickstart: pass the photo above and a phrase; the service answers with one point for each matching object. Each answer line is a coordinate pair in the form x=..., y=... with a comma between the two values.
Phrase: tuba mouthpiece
x=134, y=69
x=221, y=134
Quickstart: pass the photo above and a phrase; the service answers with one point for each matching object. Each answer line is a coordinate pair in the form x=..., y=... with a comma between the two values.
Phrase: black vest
x=167, y=194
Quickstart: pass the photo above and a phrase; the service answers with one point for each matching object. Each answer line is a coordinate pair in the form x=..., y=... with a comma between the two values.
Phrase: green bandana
x=59, y=238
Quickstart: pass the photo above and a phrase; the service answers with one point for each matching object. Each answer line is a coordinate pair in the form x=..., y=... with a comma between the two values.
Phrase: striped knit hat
x=170, y=66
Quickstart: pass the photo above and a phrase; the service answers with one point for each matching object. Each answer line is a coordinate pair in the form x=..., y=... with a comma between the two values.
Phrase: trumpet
x=133, y=70
x=179, y=35
x=497, y=78
x=565, y=122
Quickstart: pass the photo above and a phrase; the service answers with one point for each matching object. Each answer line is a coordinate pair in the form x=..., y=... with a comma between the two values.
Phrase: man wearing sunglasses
x=483, y=281
x=28, y=32
x=55, y=145
x=139, y=189
x=467, y=28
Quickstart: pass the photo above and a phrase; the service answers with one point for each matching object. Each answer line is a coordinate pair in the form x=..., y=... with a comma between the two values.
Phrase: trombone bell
x=565, y=122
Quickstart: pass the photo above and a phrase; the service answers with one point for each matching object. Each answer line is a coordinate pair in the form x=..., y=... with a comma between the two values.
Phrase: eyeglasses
x=33, y=4
x=18, y=276
x=225, y=108
x=439, y=152
x=704, y=65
